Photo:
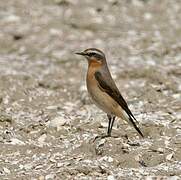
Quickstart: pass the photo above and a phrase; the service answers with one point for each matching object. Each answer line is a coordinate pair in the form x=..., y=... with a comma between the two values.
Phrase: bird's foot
x=104, y=136
x=133, y=143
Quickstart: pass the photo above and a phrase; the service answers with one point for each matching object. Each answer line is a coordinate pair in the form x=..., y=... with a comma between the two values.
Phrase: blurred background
x=47, y=121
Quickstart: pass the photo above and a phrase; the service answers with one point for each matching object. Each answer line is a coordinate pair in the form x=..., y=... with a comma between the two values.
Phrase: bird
x=104, y=92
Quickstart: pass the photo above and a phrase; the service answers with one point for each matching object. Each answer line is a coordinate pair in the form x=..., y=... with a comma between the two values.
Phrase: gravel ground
x=47, y=121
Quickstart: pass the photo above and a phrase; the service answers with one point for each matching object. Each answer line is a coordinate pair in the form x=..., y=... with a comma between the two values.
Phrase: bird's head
x=94, y=55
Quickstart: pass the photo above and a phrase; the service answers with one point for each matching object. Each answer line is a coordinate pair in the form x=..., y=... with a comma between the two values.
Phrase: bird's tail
x=131, y=121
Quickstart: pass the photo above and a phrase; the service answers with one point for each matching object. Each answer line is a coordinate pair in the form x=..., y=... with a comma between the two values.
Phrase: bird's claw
x=104, y=136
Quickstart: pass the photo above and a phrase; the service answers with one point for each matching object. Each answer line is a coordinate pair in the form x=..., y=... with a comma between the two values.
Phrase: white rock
x=160, y=150
x=51, y=107
x=101, y=142
x=21, y=166
x=41, y=139
x=169, y=156
x=50, y=176
x=110, y=159
x=28, y=166
x=16, y=141
x=179, y=87
x=176, y=96
x=39, y=167
x=167, y=142
x=12, y=18
x=137, y=3
x=137, y=157
x=59, y=164
x=110, y=177
x=41, y=178
x=6, y=170
x=57, y=122
x=178, y=115
x=104, y=124
x=55, y=32
x=147, y=16
x=106, y=158
x=87, y=161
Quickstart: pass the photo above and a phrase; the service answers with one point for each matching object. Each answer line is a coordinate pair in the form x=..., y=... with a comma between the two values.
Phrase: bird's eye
x=92, y=54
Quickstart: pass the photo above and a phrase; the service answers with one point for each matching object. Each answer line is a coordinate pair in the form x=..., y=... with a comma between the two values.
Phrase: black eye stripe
x=92, y=54
x=95, y=55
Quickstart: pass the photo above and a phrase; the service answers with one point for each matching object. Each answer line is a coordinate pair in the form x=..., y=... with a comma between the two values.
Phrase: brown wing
x=113, y=91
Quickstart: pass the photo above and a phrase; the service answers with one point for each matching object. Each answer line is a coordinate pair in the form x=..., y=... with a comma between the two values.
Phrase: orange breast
x=93, y=67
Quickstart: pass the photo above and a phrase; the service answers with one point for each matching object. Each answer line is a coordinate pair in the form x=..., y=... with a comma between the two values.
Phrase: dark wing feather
x=113, y=91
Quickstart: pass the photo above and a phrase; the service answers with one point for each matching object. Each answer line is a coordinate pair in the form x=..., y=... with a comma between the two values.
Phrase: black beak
x=81, y=53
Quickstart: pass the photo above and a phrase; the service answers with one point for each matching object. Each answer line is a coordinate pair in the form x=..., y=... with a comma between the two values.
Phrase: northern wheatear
x=104, y=91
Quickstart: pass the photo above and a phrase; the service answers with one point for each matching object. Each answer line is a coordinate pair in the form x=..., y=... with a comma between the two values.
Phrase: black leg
x=109, y=129
x=109, y=125
x=112, y=123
